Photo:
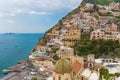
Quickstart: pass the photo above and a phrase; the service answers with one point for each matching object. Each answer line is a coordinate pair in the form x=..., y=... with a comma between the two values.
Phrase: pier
x=5, y=71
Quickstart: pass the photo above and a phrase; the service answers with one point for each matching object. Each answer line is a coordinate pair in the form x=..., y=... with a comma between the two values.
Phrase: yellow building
x=68, y=43
x=71, y=36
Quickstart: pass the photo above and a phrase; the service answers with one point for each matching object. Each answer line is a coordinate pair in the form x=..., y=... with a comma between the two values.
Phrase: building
x=111, y=27
x=50, y=36
x=69, y=52
x=68, y=43
x=89, y=6
x=91, y=61
x=63, y=69
x=78, y=59
x=102, y=11
x=107, y=60
x=112, y=67
x=87, y=74
x=86, y=29
x=97, y=34
x=112, y=36
x=68, y=70
x=73, y=34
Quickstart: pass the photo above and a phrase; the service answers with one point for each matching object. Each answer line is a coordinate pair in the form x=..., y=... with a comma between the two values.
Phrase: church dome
x=63, y=65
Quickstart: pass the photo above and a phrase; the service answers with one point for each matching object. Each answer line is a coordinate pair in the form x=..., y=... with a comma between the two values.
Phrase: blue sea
x=16, y=47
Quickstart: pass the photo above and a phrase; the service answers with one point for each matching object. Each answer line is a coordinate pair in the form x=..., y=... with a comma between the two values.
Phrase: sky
x=33, y=16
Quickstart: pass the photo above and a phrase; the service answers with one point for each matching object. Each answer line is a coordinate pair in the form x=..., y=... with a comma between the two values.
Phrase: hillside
x=94, y=21
x=82, y=4
x=102, y=2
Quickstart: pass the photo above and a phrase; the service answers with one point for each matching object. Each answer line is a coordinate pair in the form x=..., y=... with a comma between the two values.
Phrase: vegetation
x=97, y=47
x=117, y=74
x=34, y=78
x=55, y=57
x=102, y=2
x=117, y=53
x=88, y=11
x=55, y=49
x=117, y=18
x=106, y=14
x=34, y=50
x=104, y=73
x=74, y=11
x=29, y=62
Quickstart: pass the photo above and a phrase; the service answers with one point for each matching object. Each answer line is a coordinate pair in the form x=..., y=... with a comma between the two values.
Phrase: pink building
x=112, y=28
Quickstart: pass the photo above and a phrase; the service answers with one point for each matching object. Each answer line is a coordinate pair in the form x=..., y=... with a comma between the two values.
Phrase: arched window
x=59, y=78
x=90, y=64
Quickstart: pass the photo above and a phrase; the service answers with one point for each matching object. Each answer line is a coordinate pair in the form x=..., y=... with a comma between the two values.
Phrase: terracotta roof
x=76, y=67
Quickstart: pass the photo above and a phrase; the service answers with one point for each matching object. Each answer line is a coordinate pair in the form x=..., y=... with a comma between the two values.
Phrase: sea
x=16, y=47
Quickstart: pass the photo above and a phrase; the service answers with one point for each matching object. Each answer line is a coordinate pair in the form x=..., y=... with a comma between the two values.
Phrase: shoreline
x=8, y=76
x=16, y=66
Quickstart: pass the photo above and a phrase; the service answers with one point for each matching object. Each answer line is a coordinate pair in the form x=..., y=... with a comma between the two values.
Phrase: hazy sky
x=33, y=16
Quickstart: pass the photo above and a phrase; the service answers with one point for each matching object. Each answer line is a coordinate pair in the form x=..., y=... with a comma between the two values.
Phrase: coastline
x=19, y=53
x=8, y=76
x=14, y=67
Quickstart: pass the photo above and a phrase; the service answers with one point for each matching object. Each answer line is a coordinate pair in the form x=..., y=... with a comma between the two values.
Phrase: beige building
x=112, y=36
x=68, y=43
x=68, y=70
x=97, y=34
x=91, y=61
x=77, y=58
x=72, y=35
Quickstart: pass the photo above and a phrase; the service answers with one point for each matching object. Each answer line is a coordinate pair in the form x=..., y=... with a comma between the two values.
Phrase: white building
x=90, y=75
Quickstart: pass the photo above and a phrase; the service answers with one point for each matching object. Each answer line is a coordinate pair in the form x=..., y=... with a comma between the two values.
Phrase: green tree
x=34, y=78
x=55, y=57
x=97, y=47
x=105, y=73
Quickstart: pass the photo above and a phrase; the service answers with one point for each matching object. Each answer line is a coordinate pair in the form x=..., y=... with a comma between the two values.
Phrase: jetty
x=5, y=71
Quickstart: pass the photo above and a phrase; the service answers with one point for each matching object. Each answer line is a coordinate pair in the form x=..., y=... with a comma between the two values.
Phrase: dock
x=5, y=71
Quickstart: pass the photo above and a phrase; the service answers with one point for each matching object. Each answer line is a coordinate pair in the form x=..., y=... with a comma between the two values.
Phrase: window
x=90, y=60
x=98, y=33
x=103, y=60
x=59, y=78
x=82, y=78
x=106, y=60
x=93, y=37
x=90, y=64
x=53, y=78
x=110, y=61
